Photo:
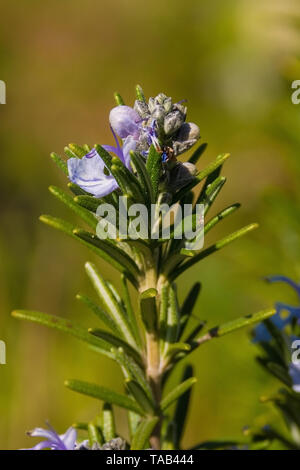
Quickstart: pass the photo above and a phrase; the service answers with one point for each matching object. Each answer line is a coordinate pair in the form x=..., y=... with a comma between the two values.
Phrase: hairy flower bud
x=188, y=131
x=168, y=104
x=173, y=122
x=142, y=108
x=181, y=175
x=186, y=137
x=158, y=114
x=151, y=104
x=114, y=444
x=160, y=98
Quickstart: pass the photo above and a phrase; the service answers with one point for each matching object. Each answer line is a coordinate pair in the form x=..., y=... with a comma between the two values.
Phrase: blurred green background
x=62, y=60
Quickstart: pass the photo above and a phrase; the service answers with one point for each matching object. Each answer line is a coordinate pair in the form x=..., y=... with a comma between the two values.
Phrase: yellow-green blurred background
x=62, y=60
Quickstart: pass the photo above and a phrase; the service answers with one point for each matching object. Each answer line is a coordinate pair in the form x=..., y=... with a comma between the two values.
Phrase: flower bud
x=168, y=104
x=158, y=114
x=151, y=104
x=160, y=98
x=188, y=131
x=173, y=122
x=142, y=108
x=181, y=175
x=187, y=136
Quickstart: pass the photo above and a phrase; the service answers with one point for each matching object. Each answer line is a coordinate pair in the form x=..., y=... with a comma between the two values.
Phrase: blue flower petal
x=88, y=174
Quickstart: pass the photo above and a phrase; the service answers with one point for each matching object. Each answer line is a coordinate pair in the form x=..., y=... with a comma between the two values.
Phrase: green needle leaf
x=140, y=94
x=190, y=300
x=197, y=154
x=95, y=435
x=172, y=327
x=118, y=98
x=143, y=176
x=112, y=250
x=66, y=326
x=133, y=422
x=139, y=395
x=77, y=190
x=69, y=229
x=182, y=407
x=177, y=392
x=86, y=215
x=211, y=193
x=148, y=308
x=88, y=202
x=99, y=312
x=108, y=422
x=110, y=303
x=116, y=342
x=154, y=167
x=129, y=309
x=143, y=433
x=175, y=348
x=105, y=394
x=233, y=325
x=106, y=157
x=213, y=248
x=133, y=371
x=220, y=216
x=77, y=150
x=60, y=162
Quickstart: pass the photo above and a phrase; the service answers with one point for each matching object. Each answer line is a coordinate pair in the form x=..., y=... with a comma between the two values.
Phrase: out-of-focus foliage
x=234, y=61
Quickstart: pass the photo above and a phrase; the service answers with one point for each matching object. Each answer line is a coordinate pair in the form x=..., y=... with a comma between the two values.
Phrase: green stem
x=150, y=317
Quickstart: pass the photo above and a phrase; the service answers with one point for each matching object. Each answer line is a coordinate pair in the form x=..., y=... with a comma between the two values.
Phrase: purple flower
x=261, y=332
x=90, y=172
x=294, y=372
x=53, y=440
x=125, y=121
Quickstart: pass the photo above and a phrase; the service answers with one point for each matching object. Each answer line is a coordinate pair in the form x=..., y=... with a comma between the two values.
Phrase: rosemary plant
x=149, y=339
x=279, y=341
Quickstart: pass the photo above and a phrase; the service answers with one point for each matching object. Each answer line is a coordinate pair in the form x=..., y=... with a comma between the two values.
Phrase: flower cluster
x=163, y=123
x=160, y=123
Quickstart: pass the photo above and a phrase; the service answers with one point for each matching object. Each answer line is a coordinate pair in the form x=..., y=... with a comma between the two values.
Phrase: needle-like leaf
x=66, y=326
x=105, y=394
x=143, y=433
x=108, y=422
x=86, y=215
x=110, y=303
x=177, y=392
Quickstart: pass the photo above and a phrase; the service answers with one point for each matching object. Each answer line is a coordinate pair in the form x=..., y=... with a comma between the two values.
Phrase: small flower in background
x=261, y=333
x=53, y=440
x=294, y=372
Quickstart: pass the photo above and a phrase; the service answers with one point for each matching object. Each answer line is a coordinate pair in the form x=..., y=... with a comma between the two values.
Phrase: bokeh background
x=62, y=60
